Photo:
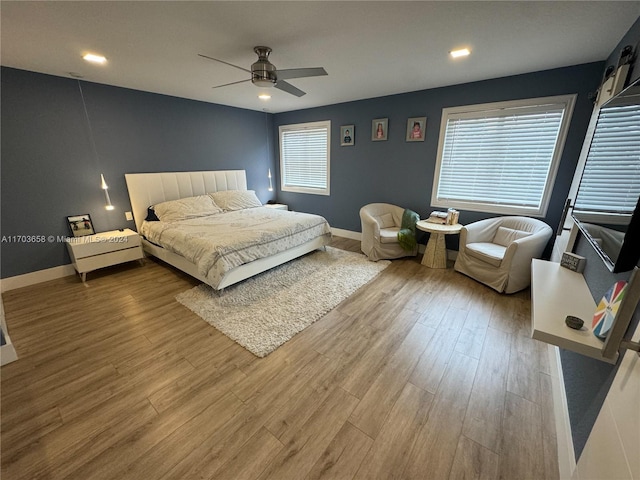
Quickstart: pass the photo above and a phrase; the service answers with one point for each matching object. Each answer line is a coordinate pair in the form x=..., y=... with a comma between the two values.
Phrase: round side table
x=435, y=256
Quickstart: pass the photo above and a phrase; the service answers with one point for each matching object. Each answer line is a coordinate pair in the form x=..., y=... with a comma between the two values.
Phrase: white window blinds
x=611, y=179
x=304, y=157
x=500, y=159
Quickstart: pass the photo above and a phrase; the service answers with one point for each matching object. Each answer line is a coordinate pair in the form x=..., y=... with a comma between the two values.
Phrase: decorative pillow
x=151, y=215
x=185, y=208
x=505, y=236
x=386, y=220
x=230, y=200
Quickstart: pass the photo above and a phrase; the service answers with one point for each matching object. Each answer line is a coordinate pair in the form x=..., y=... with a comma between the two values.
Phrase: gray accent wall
x=50, y=169
x=400, y=172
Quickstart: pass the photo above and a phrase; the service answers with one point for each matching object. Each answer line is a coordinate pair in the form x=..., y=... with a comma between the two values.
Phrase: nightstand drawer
x=89, y=264
x=101, y=243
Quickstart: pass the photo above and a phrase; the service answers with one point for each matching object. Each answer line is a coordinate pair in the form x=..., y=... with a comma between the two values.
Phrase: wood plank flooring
x=421, y=374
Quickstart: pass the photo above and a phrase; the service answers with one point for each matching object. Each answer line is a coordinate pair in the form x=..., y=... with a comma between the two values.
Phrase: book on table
x=439, y=218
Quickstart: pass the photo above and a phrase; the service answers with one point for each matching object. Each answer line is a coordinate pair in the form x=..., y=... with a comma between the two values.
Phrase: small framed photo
x=416, y=129
x=347, y=135
x=80, y=225
x=379, y=129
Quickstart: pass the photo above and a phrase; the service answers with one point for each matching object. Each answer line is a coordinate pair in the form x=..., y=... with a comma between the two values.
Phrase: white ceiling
x=369, y=49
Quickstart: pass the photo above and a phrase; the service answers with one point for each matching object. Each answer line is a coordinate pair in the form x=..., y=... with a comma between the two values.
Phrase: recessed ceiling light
x=463, y=52
x=264, y=96
x=90, y=57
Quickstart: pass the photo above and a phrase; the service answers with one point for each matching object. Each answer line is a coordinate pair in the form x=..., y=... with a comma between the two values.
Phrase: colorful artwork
x=607, y=309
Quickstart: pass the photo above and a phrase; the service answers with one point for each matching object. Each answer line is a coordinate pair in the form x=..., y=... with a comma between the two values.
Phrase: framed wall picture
x=416, y=127
x=379, y=129
x=80, y=225
x=347, y=135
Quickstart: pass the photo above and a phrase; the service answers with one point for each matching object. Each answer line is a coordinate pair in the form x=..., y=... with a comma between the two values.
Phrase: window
x=610, y=182
x=501, y=157
x=304, y=157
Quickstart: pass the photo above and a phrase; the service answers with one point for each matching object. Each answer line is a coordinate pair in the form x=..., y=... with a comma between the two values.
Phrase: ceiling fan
x=264, y=73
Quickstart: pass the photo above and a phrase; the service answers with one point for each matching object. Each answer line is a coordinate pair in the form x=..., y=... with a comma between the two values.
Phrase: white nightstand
x=277, y=206
x=103, y=250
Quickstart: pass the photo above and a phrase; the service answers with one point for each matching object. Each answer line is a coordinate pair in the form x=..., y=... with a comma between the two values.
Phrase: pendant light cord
x=86, y=116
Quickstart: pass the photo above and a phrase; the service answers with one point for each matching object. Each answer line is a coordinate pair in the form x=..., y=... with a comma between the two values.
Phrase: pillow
x=151, y=215
x=185, y=208
x=230, y=200
x=386, y=220
x=505, y=236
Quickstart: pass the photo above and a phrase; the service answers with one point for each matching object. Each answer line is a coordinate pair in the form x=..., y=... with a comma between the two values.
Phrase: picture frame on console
x=80, y=225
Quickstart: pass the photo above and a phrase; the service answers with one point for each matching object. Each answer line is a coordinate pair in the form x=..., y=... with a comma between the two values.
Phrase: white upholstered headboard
x=146, y=189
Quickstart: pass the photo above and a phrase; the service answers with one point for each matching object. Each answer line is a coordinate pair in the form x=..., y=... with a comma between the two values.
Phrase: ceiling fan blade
x=287, y=87
x=300, y=72
x=226, y=63
x=232, y=83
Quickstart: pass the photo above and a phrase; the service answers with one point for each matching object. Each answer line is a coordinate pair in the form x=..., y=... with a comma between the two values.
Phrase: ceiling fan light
x=261, y=82
x=265, y=75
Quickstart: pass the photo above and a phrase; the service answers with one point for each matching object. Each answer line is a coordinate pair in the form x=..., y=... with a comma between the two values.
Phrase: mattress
x=219, y=243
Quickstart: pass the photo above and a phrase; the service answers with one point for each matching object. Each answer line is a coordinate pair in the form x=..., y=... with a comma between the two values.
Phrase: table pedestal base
x=435, y=256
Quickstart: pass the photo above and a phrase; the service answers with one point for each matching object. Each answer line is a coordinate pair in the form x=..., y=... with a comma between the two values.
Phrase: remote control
x=574, y=322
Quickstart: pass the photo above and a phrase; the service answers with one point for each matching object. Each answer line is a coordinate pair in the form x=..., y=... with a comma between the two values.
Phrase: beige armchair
x=498, y=251
x=380, y=225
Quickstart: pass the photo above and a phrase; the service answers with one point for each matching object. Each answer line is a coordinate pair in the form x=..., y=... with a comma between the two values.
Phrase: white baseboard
x=32, y=278
x=566, y=453
x=339, y=232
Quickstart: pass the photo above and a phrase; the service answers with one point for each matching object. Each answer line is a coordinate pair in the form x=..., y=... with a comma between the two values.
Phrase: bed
x=248, y=240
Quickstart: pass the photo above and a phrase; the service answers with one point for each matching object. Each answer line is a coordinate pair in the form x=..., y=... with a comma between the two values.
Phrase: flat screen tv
x=607, y=206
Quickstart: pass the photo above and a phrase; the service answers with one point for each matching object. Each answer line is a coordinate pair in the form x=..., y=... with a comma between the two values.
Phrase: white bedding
x=218, y=243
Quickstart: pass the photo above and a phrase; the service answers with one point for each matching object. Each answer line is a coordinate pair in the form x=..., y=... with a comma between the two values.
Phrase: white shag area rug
x=263, y=312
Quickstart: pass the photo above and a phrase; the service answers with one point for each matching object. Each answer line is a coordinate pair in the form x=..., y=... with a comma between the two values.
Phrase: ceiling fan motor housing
x=263, y=72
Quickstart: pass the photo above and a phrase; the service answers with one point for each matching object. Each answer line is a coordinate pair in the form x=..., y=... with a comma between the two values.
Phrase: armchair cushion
x=389, y=235
x=491, y=253
x=385, y=220
x=506, y=236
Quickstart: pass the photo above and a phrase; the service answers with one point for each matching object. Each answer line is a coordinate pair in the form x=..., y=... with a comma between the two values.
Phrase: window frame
x=473, y=111
x=326, y=124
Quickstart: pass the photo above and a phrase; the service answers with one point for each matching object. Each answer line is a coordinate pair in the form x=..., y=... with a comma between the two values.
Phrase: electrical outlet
x=128, y=215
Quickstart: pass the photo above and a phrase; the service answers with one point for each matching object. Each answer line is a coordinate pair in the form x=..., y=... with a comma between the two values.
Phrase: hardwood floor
x=421, y=374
